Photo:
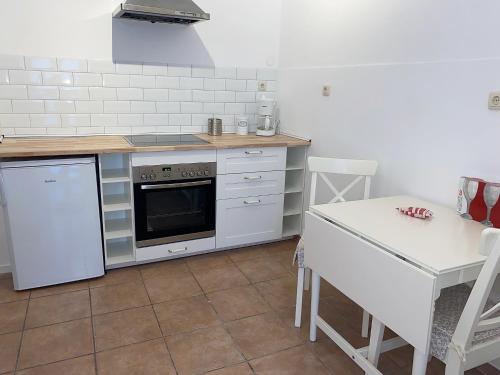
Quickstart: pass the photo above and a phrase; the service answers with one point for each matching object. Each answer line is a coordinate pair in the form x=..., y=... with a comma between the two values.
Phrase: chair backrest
x=362, y=169
x=474, y=319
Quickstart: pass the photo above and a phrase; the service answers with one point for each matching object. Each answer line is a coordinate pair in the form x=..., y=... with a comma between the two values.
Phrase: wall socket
x=327, y=90
x=494, y=100
x=262, y=86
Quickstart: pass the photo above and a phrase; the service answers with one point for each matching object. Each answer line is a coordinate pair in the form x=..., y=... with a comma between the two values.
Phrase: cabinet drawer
x=249, y=220
x=174, y=250
x=250, y=184
x=241, y=160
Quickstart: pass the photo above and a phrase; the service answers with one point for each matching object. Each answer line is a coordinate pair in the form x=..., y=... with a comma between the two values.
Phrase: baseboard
x=4, y=268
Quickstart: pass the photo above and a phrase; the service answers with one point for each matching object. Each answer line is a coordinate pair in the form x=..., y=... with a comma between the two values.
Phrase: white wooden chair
x=363, y=170
x=466, y=325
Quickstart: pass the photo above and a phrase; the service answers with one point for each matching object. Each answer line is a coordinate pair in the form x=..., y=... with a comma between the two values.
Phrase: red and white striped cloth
x=418, y=212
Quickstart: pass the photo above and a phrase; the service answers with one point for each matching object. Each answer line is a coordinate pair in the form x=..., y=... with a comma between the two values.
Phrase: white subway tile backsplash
x=191, y=83
x=156, y=94
x=129, y=94
x=45, y=121
x=103, y=119
x=224, y=96
x=246, y=73
x=245, y=97
x=154, y=70
x=59, y=106
x=8, y=132
x=40, y=95
x=72, y=65
x=191, y=107
x=115, y=80
x=74, y=93
x=129, y=68
x=214, y=84
x=145, y=82
x=25, y=77
x=235, y=108
x=102, y=93
x=130, y=119
x=114, y=106
x=101, y=66
x=87, y=79
x=167, y=82
x=179, y=71
x=168, y=107
x=41, y=63
x=57, y=78
x=213, y=107
x=272, y=85
x=203, y=96
x=142, y=107
x=5, y=106
x=11, y=62
x=13, y=92
x=92, y=106
x=28, y=106
x=267, y=95
x=180, y=95
x=43, y=92
x=156, y=119
x=225, y=73
x=4, y=77
x=267, y=74
x=75, y=120
x=15, y=120
x=202, y=72
x=178, y=119
x=236, y=85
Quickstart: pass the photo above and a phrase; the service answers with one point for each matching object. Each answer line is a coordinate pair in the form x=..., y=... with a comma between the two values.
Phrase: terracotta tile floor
x=228, y=313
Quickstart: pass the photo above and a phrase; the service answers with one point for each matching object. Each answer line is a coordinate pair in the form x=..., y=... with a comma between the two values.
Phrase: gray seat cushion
x=299, y=254
x=449, y=307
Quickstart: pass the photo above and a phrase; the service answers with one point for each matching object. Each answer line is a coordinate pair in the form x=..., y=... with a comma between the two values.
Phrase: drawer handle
x=254, y=152
x=180, y=250
x=251, y=178
x=257, y=201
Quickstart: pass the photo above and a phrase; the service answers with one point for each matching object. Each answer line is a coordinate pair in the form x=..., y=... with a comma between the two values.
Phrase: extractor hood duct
x=169, y=11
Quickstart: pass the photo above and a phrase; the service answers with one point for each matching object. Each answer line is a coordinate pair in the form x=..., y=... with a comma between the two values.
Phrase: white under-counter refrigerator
x=51, y=207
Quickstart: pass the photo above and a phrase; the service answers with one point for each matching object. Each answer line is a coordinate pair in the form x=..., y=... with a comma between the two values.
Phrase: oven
x=174, y=203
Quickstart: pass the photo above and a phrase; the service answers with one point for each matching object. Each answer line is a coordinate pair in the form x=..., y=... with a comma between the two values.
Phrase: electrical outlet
x=494, y=100
x=262, y=85
x=327, y=90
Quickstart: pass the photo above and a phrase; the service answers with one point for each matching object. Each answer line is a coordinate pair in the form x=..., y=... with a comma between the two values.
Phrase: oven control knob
x=199, y=173
x=143, y=177
x=207, y=173
x=191, y=173
x=152, y=176
x=184, y=174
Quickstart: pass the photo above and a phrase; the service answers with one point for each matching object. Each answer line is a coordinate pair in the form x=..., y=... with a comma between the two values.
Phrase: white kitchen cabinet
x=242, y=160
x=250, y=184
x=249, y=220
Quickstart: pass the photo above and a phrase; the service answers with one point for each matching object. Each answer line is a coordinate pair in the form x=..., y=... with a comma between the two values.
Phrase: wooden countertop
x=104, y=144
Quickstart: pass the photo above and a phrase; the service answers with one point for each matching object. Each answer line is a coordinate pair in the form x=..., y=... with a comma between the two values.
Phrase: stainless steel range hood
x=170, y=11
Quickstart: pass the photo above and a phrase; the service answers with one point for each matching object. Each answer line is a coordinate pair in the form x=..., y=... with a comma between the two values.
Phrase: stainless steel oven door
x=174, y=211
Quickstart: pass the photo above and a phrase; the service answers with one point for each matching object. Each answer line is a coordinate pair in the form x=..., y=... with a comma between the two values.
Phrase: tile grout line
x=22, y=333
x=93, y=331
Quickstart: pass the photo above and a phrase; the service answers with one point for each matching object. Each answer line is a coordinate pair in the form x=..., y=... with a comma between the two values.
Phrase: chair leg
x=419, y=366
x=375, y=341
x=454, y=364
x=366, y=324
x=298, y=302
x=307, y=279
x=314, y=305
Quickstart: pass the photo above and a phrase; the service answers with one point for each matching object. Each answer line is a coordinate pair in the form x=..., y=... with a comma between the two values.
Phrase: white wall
x=240, y=33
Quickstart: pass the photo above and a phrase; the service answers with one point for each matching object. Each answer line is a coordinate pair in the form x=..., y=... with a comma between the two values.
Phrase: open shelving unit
x=117, y=202
x=294, y=191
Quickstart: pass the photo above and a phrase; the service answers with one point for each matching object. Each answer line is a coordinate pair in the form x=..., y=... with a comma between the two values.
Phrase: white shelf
x=292, y=212
x=291, y=225
x=116, y=202
x=115, y=175
x=118, y=228
x=293, y=189
x=119, y=251
x=294, y=167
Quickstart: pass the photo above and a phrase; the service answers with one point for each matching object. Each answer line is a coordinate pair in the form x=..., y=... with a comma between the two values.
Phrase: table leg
x=314, y=305
x=419, y=362
x=376, y=337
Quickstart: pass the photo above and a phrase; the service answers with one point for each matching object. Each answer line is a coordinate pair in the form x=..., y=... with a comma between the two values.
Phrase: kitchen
x=183, y=240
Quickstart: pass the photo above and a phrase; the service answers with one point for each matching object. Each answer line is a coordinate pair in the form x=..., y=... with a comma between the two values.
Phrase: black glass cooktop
x=164, y=140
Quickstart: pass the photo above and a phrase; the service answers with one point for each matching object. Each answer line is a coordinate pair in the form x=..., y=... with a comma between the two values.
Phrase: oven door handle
x=176, y=185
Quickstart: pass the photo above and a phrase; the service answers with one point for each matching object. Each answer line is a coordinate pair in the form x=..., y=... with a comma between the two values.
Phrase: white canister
x=242, y=125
